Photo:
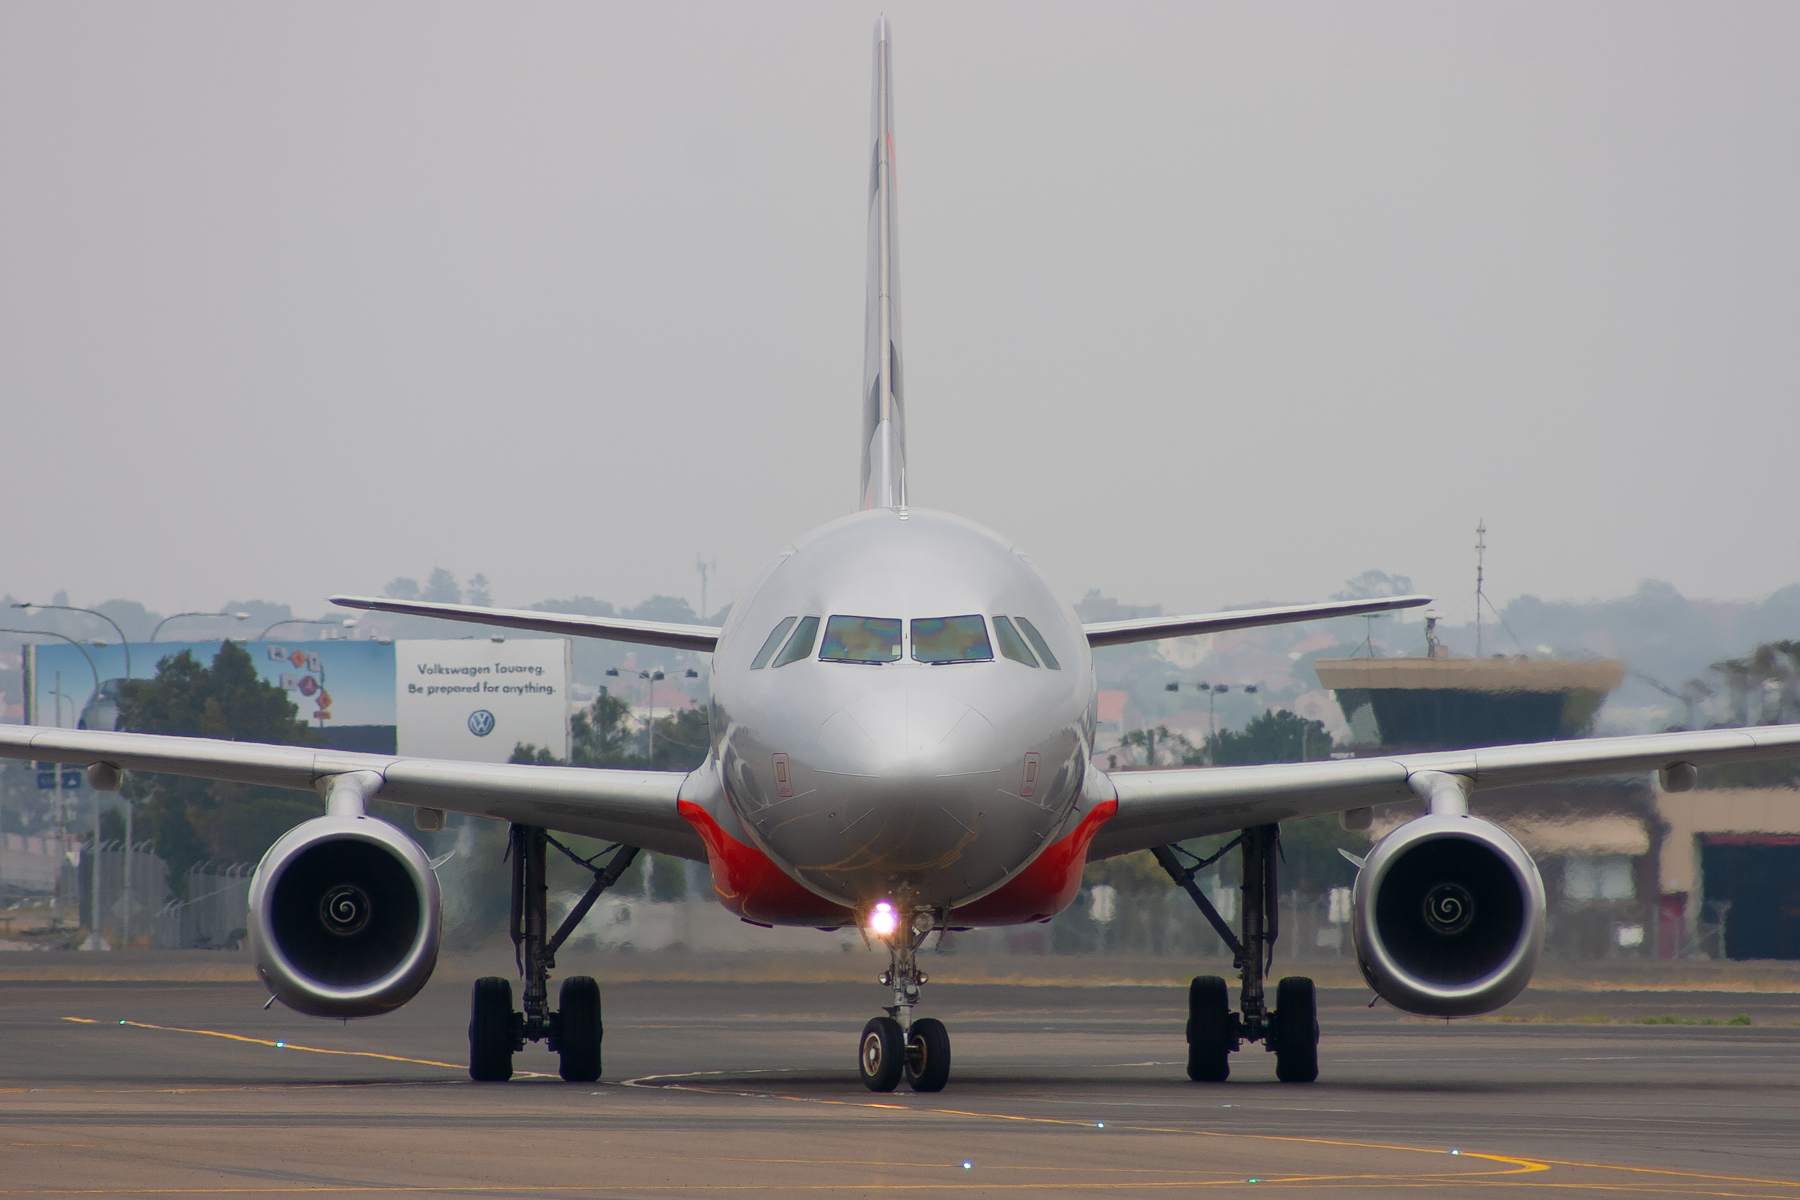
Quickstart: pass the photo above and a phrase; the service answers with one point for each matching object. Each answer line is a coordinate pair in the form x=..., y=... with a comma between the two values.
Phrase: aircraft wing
x=633, y=807
x=1149, y=629
x=1160, y=807
x=614, y=629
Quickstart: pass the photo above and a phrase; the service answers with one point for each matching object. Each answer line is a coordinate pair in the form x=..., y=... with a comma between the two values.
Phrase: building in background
x=1628, y=869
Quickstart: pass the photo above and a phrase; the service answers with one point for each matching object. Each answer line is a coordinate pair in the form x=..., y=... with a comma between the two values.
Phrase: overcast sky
x=1203, y=304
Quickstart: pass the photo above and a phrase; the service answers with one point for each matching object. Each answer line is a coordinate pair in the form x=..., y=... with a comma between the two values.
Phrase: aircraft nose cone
x=906, y=734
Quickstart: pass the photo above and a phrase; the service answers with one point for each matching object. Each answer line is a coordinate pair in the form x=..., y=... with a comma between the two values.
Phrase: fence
x=124, y=918
x=214, y=916
x=30, y=865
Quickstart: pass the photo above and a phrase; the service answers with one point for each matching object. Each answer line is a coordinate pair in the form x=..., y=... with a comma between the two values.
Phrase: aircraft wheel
x=1296, y=1030
x=881, y=1056
x=578, y=1029
x=1209, y=1030
x=491, y=1030
x=927, y=1055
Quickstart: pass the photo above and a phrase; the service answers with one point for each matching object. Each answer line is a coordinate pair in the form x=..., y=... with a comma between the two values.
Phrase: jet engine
x=1449, y=916
x=344, y=917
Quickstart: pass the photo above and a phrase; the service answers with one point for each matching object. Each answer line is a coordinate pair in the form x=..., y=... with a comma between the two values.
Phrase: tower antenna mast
x=1480, y=554
x=705, y=568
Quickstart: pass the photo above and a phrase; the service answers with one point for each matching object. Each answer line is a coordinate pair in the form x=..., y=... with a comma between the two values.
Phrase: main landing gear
x=1291, y=1028
x=574, y=1030
x=897, y=1045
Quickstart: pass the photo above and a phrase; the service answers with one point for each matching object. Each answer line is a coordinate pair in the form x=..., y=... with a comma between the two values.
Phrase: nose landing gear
x=897, y=1045
x=1291, y=1029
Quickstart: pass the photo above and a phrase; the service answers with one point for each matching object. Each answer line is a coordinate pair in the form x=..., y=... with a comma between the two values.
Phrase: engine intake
x=344, y=918
x=1449, y=917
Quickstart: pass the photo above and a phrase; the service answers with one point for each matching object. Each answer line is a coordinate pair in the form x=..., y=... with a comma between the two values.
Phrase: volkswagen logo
x=481, y=722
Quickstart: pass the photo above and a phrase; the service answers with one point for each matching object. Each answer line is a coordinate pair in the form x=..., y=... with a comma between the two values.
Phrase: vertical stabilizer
x=884, y=421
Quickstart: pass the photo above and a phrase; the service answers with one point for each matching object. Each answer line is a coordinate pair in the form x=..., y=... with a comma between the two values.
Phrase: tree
x=193, y=820
x=401, y=588
x=604, y=735
x=599, y=736
x=1273, y=737
x=1768, y=681
x=682, y=740
x=441, y=588
x=1158, y=740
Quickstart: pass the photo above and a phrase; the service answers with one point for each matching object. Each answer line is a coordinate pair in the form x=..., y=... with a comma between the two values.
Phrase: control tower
x=1444, y=703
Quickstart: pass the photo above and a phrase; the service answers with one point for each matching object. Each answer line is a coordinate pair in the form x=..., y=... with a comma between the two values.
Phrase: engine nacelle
x=1449, y=917
x=344, y=917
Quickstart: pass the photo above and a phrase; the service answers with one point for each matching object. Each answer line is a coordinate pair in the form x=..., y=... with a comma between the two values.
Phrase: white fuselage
x=932, y=783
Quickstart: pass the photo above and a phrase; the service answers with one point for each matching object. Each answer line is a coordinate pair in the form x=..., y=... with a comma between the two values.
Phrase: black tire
x=1209, y=1030
x=881, y=1055
x=491, y=1041
x=1295, y=1025
x=927, y=1055
x=579, y=1029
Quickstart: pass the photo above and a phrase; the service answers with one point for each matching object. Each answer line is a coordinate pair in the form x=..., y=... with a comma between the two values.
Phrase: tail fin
x=884, y=420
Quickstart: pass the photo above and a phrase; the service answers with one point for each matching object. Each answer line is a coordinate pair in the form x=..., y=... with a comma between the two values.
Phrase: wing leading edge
x=637, y=808
x=1157, y=808
x=613, y=629
x=1149, y=629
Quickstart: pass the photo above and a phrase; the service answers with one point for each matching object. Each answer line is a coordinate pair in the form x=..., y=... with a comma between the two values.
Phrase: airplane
x=902, y=729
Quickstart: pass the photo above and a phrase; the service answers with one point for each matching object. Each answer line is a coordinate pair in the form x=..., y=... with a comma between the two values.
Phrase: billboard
x=343, y=688
x=476, y=699
x=471, y=699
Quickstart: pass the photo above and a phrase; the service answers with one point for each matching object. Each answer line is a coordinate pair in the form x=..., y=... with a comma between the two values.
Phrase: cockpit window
x=801, y=644
x=861, y=640
x=950, y=640
x=1011, y=644
x=1037, y=643
x=773, y=644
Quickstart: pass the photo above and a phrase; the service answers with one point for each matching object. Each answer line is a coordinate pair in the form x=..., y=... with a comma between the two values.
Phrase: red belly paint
x=751, y=885
x=1044, y=888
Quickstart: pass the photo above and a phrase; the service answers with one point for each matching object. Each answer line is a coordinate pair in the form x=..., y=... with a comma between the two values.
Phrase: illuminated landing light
x=883, y=920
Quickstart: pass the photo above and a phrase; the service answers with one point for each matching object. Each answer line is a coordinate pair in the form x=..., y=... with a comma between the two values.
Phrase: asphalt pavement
x=141, y=1088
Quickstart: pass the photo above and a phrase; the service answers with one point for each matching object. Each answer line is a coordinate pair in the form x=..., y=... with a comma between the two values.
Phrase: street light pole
x=654, y=677
x=72, y=642
x=1212, y=690
x=123, y=641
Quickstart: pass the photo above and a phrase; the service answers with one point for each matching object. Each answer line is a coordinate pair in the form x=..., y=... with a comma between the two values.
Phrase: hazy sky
x=1203, y=304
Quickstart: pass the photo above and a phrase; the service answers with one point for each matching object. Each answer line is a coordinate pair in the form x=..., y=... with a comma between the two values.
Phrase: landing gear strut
x=896, y=1044
x=574, y=1030
x=1291, y=1028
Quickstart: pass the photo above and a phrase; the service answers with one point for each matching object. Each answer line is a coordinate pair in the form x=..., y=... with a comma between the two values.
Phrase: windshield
x=773, y=644
x=801, y=644
x=950, y=640
x=1037, y=643
x=861, y=640
x=1011, y=644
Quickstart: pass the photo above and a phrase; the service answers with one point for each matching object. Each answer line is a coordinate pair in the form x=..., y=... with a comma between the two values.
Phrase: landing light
x=883, y=920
